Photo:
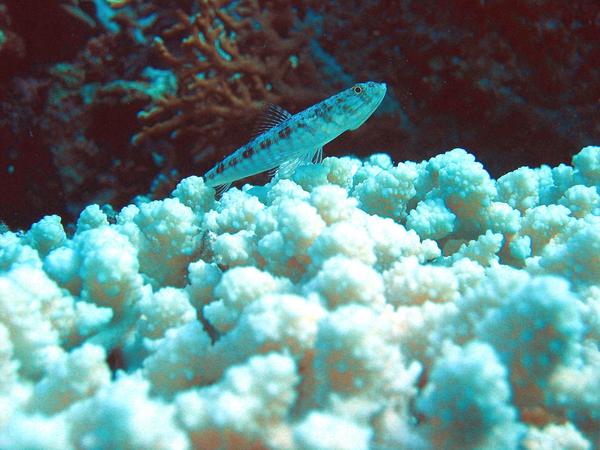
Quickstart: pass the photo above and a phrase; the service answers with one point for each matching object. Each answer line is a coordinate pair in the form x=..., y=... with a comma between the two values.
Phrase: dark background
x=83, y=120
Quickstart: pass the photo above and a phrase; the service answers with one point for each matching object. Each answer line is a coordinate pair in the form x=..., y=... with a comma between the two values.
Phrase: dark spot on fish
x=301, y=125
x=285, y=132
x=220, y=168
x=232, y=162
x=264, y=144
x=339, y=100
x=328, y=107
x=248, y=152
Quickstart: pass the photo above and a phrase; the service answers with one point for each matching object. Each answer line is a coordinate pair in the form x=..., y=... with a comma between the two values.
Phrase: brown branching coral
x=229, y=57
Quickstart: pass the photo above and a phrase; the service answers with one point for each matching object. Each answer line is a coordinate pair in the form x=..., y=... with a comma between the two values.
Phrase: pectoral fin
x=220, y=189
x=287, y=168
x=318, y=156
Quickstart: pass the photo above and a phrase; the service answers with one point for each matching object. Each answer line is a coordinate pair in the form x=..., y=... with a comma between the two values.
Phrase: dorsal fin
x=271, y=117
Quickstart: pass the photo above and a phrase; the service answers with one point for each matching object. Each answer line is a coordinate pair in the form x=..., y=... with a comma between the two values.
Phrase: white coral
x=537, y=328
x=343, y=280
x=122, y=415
x=238, y=288
x=466, y=400
x=323, y=431
x=355, y=305
x=244, y=408
x=71, y=378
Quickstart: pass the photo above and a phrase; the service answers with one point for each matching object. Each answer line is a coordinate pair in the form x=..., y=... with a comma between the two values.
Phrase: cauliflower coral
x=356, y=305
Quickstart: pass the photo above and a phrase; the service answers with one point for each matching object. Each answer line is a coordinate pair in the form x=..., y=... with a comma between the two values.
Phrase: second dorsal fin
x=272, y=116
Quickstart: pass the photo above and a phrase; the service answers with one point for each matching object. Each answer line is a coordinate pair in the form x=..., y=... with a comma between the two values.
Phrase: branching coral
x=229, y=57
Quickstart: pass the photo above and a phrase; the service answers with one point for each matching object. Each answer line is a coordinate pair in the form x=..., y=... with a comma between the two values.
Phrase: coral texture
x=358, y=304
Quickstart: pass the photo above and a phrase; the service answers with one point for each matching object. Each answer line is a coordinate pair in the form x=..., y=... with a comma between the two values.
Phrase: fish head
x=360, y=101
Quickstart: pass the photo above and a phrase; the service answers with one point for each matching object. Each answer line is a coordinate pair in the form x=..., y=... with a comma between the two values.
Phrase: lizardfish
x=289, y=140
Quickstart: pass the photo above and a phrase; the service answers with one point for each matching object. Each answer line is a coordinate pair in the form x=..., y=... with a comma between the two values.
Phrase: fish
x=286, y=141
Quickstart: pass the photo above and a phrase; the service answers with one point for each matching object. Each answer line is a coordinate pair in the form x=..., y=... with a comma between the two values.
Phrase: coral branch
x=229, y=59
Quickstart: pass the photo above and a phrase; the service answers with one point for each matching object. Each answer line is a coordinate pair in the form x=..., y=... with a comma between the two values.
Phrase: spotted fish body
x=298, y=139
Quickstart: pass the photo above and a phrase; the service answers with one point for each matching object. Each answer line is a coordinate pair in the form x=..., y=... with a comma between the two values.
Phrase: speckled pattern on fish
x=298, y=139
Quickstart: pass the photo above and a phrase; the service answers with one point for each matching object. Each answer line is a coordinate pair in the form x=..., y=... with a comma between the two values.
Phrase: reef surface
x=357, y=305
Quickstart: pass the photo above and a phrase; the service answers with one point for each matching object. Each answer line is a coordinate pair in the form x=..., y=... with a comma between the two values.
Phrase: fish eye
x=357, y=89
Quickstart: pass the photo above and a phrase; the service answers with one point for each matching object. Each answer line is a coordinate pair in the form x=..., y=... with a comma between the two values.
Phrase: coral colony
x=397, y=294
